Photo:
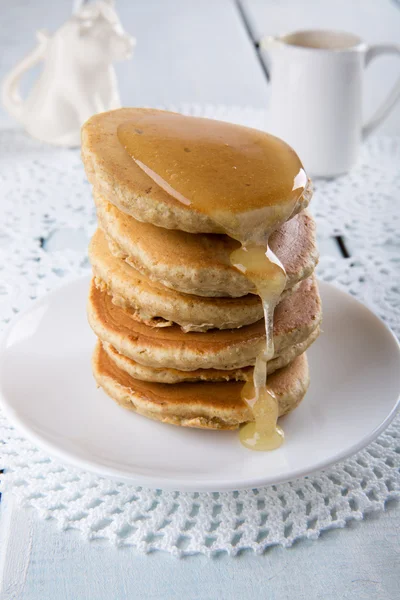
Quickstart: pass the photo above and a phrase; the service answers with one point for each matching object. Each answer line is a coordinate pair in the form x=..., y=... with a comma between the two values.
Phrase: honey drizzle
x=248, y=183
x=270, y=281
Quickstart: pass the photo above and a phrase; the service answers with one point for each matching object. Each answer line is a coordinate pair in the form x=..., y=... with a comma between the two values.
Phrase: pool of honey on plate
x=248, y=183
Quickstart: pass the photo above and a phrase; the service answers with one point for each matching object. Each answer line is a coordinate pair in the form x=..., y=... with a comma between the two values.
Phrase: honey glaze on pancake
x=249, y=183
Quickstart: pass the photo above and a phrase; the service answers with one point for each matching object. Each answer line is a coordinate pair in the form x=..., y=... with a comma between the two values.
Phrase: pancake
x=158, y=306
x=296, y=317
x=116, y=176
x=200, y=264
x=161, y=375
x=202, y=405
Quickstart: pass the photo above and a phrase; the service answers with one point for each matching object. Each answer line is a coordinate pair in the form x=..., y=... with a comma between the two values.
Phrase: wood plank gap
x=249, y=32
x=342, y=246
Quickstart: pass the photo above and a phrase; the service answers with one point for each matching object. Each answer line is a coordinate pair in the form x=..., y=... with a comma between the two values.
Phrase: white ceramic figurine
x=77, y=80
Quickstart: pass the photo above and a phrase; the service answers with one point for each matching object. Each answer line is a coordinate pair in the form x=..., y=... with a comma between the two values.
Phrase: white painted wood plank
x=187, y=50
x=360, y=561
x=376, y=21
x=16, y=535
x=192, y=51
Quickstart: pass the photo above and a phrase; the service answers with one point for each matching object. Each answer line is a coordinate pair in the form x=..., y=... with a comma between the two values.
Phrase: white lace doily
x=44, y=191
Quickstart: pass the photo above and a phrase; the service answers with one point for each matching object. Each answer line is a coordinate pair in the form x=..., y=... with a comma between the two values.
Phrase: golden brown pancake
x=200, y=264
x=158, y=306
x=295, y=319
x=112, y=171
x=163, y=375
x=203, y=405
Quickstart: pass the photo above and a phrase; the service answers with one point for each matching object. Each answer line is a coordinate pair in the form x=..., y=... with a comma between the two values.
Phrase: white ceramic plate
x=48, y=392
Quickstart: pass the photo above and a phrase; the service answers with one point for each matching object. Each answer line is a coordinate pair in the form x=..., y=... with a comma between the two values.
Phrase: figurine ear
x=78, y=4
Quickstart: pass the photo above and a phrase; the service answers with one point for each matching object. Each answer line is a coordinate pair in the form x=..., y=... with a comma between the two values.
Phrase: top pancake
x=200, y=264
x=121, y=182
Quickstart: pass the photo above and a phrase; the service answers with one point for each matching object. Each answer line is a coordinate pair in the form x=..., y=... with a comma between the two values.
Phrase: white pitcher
x=316, y=96
x=77, y=80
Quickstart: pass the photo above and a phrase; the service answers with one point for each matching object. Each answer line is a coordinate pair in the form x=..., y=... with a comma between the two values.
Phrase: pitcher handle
x=394, y=96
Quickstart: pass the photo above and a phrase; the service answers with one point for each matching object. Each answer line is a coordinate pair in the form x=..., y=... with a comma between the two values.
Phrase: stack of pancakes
x=178, y=327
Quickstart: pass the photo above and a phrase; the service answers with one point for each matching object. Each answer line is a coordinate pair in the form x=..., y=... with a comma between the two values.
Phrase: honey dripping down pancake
x=249, y=183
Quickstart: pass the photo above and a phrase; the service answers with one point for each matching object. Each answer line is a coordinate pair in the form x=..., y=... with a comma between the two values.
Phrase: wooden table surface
x=206, y=52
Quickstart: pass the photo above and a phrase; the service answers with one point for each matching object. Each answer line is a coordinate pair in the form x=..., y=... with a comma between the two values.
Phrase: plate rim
x=171, y=483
